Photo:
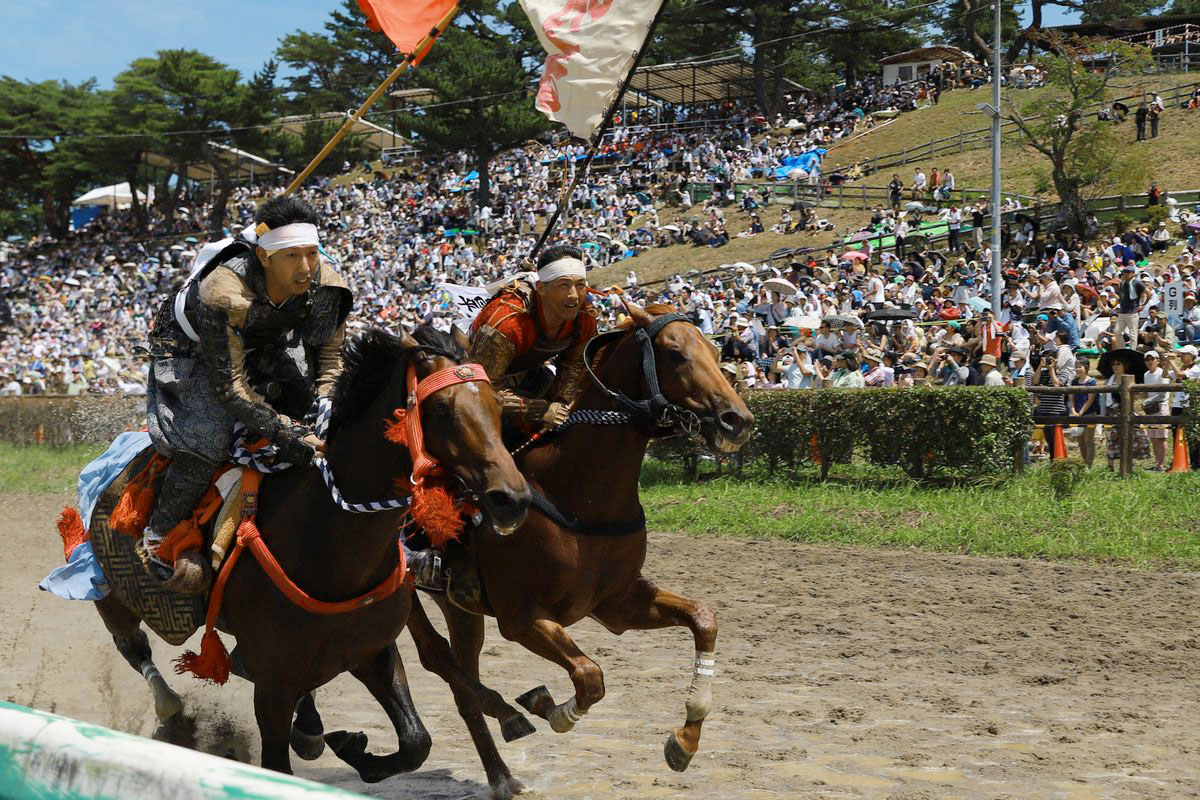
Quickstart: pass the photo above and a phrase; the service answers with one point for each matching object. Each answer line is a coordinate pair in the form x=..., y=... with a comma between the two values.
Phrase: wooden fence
x=1125, y=421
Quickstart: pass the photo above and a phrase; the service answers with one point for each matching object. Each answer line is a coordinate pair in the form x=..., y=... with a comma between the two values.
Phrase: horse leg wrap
x=699, y=696
x=563, y=716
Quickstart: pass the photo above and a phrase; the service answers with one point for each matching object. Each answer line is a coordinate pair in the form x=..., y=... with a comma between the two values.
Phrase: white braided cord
x=264, y=461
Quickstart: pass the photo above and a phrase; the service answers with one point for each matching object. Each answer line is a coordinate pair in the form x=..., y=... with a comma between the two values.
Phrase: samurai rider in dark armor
x=253, y=336
x=522, y=329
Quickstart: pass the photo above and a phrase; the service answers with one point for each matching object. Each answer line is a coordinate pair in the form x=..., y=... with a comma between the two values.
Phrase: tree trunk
x=970, y=16
x=216, y=217
x=483, y=157
x=139, y=208
x=1073, y=210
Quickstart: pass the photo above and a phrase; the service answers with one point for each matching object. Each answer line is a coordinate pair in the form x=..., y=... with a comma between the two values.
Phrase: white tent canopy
x=115, y=196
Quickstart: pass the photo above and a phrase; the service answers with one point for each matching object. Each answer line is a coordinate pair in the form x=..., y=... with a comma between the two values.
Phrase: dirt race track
x=842, y=674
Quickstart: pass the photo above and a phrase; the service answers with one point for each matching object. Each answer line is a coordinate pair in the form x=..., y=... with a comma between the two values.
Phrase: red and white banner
x=590, y=46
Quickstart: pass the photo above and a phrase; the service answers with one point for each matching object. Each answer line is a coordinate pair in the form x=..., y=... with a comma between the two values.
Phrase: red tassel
x=70, y=528
x=132, y=514
x=212, y=663
x=434, y=510
x=396, y=431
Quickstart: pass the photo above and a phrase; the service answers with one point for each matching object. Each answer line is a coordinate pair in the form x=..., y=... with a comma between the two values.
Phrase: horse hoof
x=516, y=727
x=537, y=701
x=508, y=788
x=305, y=745
x=347, y=746
x=166, y=704
x=677, y=758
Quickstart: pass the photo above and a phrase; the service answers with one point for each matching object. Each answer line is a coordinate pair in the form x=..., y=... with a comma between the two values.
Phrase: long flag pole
x=414, y=57
x=598, y=136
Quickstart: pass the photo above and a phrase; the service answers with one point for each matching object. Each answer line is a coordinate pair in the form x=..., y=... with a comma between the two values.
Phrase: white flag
x=470, y=300
x=590, y=46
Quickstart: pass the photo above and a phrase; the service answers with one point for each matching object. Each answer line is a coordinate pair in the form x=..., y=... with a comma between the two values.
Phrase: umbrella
x=71, y=282
x=915, y=206
x=672, y=228
x=1135, y=363
x=854, y=255
x=602, y=235
x=1085, y=291
x=1096, y=327
x=802, y=204
x=742, y=265
x=839, y=321
x=979, y=304
x=861, y=236
x=781, y=285
x=1023, y=218
x=889, y=314
x=810, y=323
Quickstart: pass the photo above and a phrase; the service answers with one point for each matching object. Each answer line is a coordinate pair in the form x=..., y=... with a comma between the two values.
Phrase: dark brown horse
x=334, y=555
x=548, y=576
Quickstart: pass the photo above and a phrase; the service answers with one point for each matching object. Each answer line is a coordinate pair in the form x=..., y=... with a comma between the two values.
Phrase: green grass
x=43, y=469
x=1148, y=520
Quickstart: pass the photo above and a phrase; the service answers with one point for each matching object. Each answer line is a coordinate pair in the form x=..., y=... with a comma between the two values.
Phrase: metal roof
x=295, y=125
x=415, y=95
x=943, y=51
x=692, y=82
x=241, y=165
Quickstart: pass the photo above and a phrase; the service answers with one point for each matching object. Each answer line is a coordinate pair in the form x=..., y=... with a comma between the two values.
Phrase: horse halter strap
x=418, y=390
x=656, y=411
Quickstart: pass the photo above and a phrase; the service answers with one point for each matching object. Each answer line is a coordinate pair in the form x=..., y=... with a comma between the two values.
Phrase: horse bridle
x=656, y=415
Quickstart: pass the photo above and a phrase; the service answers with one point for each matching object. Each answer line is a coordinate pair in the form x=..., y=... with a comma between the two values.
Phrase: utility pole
x=997, y=290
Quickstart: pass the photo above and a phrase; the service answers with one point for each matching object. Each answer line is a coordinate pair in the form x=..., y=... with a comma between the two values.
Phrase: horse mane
x=368, y=361
x=654, y=309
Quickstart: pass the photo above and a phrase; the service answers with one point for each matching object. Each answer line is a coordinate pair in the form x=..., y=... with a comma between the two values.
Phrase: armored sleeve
x=329, y=362
x=494, y=351
x=225, y=303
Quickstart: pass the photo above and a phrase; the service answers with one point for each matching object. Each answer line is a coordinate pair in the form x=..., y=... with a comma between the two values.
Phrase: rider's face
x=564, y=296
x=290, y=271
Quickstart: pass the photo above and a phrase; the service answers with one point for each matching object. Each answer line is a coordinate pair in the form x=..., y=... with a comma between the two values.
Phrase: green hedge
x=1191, y=413
x=964, y=431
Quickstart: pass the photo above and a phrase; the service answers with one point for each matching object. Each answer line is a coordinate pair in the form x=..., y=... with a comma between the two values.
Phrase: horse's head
x=690, y=380
x=460, y=426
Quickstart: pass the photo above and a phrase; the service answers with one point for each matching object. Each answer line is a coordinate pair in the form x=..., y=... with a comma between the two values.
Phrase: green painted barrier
x=48, y=757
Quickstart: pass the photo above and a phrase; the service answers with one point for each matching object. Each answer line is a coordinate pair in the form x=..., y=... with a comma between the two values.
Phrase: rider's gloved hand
x=556, y=415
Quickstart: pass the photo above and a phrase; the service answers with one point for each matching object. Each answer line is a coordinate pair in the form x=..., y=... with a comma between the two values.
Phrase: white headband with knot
x=297, y=234
x=566, y=267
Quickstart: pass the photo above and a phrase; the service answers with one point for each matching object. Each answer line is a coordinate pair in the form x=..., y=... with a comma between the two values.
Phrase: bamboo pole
x=352, y=120
x=1126, y=425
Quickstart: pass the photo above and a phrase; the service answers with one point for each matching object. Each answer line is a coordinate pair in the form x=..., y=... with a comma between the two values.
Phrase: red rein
x=432, y=507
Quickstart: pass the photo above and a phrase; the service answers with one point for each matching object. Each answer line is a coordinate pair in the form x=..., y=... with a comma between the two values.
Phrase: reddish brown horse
x=333, y=555
x=584, y=559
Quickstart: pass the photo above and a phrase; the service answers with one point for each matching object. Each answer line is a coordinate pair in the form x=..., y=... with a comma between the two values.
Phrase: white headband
x=297, y=234
x=566, y=267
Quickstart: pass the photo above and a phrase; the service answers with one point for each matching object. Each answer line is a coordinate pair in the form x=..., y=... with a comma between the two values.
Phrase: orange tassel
x=132, y=514
x=70, y=528
x=434, y=510
x=396, y=431
x=212, y=663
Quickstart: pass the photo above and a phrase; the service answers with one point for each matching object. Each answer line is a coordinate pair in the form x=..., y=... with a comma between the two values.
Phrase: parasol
x=891, y=314
x=854, y=255
x=672, y=228
x=801, y=323
x=1096, y=327
x=781, y=285
x=979, y=304
x=1135, y=363
x=839, y=321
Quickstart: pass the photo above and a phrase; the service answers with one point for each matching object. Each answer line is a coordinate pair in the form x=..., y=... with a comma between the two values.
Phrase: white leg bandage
x=699, y=696
x=563, y=716
x=149, y=671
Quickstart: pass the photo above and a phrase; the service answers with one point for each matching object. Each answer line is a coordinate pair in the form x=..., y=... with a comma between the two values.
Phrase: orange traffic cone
x=1060, y=444
x=816, y=450
x=1180, y=462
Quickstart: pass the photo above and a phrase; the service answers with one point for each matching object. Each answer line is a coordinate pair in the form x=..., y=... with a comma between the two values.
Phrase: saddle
x=173, y=616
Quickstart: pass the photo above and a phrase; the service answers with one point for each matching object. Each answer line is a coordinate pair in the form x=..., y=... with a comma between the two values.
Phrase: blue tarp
x=83, y=215
x=81, y=578
x=805, y=161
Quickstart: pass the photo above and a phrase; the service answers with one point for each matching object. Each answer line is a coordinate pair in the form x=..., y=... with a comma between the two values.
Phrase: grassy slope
x=1146, y=520
x=1175, y=155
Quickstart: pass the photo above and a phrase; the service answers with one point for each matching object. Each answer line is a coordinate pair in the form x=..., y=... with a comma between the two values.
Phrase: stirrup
x=425, y=566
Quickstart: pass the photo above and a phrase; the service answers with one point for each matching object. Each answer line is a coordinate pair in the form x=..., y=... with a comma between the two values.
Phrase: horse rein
x=656, y=414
